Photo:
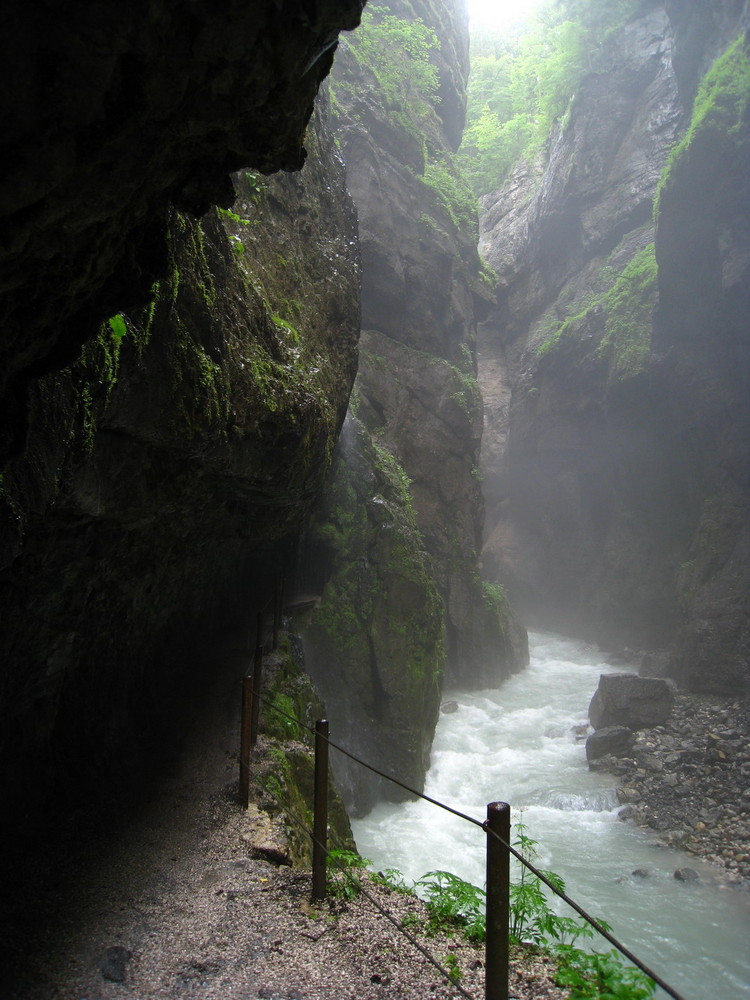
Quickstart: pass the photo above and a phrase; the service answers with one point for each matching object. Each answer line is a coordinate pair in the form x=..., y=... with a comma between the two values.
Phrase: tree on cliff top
x=521, y=84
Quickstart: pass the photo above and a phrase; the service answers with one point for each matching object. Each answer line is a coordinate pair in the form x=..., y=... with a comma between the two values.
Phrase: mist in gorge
x=610, y=354
x=395, y=356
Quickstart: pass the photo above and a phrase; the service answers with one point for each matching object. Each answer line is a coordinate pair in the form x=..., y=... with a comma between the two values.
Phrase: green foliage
x=600, y=976
x=589, y=975
x=629, y=307
x=452, y=967
x=531, y=917
x=453, y=904
x=392, y=470
x=233, y=217
x=456, y=905
x=521, y=85
x=95, y=373
x=279, y=713
x=341, y=868
x=256, y=185
x=493, y=594
x=118, y=327
x=397, y=52
x=626, y=309
x=287, y=326
x=454, y=195
x=719, y=111
x=291, y=703
x=394, y=880
x=468, y=395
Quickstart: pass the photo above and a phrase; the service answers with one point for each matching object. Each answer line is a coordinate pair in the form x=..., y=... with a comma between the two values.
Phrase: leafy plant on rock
x=341, y=868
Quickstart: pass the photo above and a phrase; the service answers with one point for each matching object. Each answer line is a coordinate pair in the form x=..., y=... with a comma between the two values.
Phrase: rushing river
x=518, y=744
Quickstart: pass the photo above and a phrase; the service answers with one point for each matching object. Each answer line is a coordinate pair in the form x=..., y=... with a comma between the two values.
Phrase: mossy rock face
x=375, y=644
x=291, y=704
x=285, y=776
x=284, y=764
x=145, y=116
x=702, y=246
x=398, y=99
x=166, y=470
x=618, y=504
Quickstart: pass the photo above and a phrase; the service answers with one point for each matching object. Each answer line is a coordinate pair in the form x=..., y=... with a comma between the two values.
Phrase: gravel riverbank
x=689, y=780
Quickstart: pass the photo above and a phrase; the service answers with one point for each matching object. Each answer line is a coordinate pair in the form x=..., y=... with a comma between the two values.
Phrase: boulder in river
x=629, y=700
x=615, y=740
x=686, y=875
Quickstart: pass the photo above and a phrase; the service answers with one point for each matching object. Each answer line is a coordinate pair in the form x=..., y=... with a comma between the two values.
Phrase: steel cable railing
x=357, y=885
x=592, y=921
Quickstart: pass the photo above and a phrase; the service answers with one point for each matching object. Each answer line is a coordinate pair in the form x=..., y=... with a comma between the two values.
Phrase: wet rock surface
x=617, y=499
x=162, y=471
x=626, y=700
x=689, y=780
x=615, y=740
x=422, y=295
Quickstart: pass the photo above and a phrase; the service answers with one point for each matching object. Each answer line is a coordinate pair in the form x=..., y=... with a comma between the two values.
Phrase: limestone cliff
x=173, y=386
x=398, y=96
x=618, y=479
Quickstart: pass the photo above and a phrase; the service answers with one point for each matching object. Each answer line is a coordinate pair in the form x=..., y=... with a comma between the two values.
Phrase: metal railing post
x=498, y=902
x=320, y=811
x=257, y=684
x=278, y=610
x=247, y=701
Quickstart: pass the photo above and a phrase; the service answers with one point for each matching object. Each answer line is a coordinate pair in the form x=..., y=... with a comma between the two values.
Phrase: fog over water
x=517, y=744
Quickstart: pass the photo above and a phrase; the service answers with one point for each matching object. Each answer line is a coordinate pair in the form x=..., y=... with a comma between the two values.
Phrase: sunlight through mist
x=501, y=13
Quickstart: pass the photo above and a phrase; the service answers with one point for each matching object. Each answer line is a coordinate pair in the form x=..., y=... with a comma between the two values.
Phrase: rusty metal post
x=498, y=902
x=320, y=811
x=247, y=701
x=278, y=604
x=257, y=685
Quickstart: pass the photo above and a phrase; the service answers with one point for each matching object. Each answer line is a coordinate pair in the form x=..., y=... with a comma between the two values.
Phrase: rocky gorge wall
x=174, y=376
x=402, y=524
x=616, y=459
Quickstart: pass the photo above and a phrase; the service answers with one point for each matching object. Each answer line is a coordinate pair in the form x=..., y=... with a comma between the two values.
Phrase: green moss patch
x=716, y=125
x=622, y=315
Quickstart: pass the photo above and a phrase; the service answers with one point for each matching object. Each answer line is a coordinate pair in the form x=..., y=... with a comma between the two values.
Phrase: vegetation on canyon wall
x=623, y=313
x=397, y=533
x=163, y=464
x=522, y=84
x=376, y=641
x=620, y=258
x=718, y=116
x=285, y=764
x=393, y=56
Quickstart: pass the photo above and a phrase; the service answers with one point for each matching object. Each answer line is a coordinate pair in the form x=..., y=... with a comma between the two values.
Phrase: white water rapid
x=516, y=744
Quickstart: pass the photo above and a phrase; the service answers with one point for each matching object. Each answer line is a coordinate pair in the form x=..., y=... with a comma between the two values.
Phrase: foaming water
x=522, y=744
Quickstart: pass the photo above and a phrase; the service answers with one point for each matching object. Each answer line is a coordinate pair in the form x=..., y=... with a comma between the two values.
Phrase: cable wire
x=586, y=916
x=361, y=889
x=607, y=935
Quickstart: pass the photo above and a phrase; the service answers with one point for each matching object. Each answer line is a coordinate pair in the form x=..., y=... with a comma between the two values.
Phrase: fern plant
x=453, y=903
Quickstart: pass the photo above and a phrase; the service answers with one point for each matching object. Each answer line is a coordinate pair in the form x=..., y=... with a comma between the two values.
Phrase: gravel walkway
x=174, y=904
